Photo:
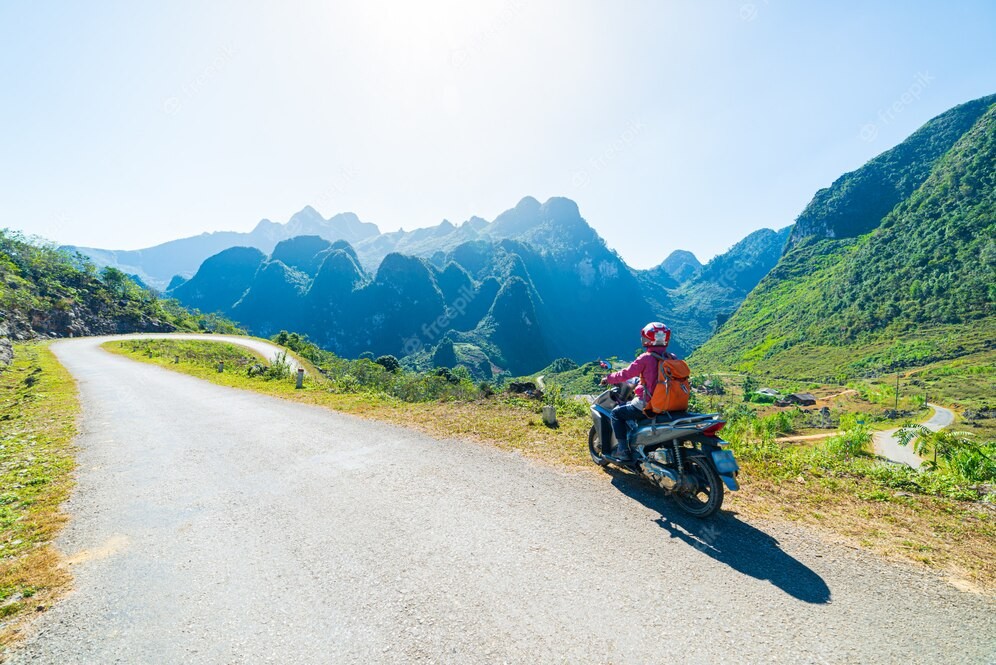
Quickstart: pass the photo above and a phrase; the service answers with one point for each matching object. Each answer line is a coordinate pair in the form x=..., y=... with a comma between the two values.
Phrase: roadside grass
x=833, y=485
x=198, y=357
x=38, y=408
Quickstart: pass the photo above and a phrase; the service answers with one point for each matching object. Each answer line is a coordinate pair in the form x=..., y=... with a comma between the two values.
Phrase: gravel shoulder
x=211, y=525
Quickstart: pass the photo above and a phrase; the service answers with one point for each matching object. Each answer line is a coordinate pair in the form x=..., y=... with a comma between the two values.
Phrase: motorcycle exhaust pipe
x=664, y=477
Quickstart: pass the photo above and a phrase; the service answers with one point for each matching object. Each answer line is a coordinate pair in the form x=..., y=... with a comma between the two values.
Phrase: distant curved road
x=214, y=525
x=887, y=444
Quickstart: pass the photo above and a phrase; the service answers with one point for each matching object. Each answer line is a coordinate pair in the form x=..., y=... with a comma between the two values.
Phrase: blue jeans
x=620, y=415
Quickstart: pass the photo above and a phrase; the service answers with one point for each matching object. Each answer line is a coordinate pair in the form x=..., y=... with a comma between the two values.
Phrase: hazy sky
x=672, y=124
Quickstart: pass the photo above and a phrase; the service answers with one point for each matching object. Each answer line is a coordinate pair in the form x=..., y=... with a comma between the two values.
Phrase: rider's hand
x=603, y=382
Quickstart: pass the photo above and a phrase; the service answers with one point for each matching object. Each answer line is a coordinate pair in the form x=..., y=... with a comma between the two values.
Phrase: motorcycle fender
x=727, y=467
x=725, y=462
x=730, y=481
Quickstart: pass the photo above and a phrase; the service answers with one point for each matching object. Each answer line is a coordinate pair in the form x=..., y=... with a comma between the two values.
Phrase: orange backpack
x=672, y=390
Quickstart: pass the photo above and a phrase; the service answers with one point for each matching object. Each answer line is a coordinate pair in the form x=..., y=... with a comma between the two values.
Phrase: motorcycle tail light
x=711, y=430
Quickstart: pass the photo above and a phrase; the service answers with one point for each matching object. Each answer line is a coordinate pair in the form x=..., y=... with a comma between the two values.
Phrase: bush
x=955, y=451
x=848, y=445
x=390, y=363
x=555, y=395
x=279, y=368
x=561, y=365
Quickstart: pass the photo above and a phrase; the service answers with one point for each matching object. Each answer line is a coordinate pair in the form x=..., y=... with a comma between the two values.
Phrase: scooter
x=681, y=453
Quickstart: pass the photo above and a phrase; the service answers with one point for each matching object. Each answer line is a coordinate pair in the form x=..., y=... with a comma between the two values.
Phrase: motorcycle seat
x=661, y=419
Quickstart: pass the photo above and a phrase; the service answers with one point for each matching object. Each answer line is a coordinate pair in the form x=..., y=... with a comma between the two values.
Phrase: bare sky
x=690, y=123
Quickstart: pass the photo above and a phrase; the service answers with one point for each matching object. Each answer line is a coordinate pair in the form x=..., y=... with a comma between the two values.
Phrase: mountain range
x=157, y=265
x=892, y=265
x=534, y=284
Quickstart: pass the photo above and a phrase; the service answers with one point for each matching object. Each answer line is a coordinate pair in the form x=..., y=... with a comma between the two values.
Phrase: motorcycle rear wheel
x=595, y=447
x=706, y=496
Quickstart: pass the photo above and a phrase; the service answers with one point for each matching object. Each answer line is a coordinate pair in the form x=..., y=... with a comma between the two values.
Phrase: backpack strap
x=661, y=374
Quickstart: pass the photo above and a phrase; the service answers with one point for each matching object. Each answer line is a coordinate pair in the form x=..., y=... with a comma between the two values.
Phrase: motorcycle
x=680, y=453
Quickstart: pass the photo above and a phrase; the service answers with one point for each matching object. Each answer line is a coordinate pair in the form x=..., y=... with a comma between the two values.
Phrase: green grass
x=38, y=408
x=203, y=357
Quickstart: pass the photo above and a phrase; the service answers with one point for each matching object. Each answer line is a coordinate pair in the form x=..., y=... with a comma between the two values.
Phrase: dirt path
x=806, y=437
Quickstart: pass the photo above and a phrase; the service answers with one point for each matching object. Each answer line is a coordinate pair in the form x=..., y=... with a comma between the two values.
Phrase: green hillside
x=714, y=291
x=918, y=288
x=857, y=201
x=49, y=292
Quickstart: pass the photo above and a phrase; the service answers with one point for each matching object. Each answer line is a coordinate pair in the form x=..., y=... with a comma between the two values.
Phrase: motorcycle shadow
x=725, y=538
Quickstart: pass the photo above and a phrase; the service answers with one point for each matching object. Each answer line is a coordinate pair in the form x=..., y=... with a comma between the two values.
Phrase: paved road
x=211, y=525
x=887, y=445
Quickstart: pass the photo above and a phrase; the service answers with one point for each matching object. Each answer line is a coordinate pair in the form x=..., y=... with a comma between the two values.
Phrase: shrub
x=279, y=368
x=390, y=363
x=555, y=395
x=848, y=445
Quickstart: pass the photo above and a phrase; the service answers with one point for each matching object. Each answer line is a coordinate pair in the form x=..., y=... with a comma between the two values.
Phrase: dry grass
x=38, y=408
x=956, y=537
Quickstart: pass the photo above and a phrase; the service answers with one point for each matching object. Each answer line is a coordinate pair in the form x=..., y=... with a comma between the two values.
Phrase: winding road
x=887, y=444
x=212, y=525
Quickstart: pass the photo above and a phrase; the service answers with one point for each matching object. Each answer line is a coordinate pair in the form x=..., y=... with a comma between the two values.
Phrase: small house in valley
x=797, y=399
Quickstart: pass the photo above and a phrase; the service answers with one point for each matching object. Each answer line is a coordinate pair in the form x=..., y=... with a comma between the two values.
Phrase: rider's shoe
x=621, y=454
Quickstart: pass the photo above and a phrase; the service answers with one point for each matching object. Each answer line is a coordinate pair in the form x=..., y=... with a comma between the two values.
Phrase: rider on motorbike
x=655, y=338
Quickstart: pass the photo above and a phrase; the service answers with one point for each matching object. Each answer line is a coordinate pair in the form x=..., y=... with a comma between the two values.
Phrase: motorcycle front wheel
x=702, y=495
x=595, y=447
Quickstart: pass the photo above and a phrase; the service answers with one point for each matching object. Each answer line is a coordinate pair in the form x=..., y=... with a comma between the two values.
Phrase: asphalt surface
x=211, y=525
x=887, y=444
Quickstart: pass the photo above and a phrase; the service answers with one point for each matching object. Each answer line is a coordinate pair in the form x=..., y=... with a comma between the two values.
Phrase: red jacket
x=645, y=367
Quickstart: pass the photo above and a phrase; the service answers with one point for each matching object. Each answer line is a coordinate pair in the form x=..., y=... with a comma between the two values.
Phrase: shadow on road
x=728, y=540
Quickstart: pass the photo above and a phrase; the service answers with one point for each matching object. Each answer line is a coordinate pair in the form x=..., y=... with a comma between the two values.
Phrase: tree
x=975, y=462
x=390, y=363
x=749, y=385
